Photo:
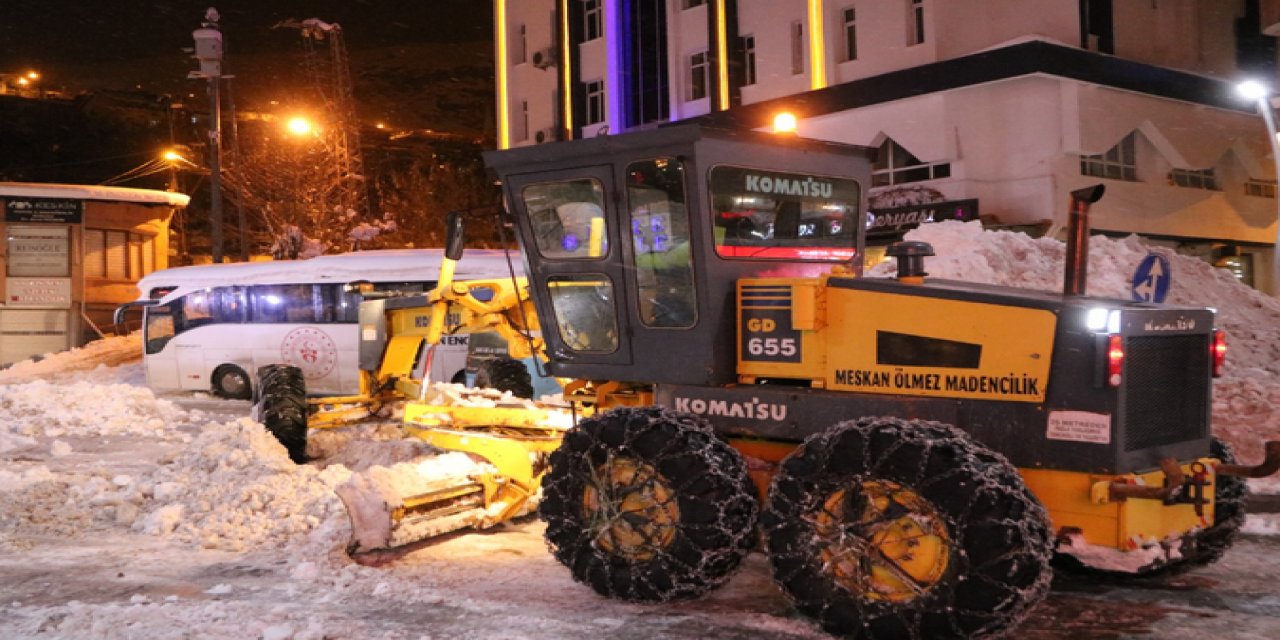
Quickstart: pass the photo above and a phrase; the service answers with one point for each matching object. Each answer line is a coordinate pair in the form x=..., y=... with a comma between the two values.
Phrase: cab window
x=660, y=237
x=790, y=216
x=568, y=219
x=584, y=311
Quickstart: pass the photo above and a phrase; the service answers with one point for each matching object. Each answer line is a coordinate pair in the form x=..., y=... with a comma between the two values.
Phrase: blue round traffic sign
x=1151, y=280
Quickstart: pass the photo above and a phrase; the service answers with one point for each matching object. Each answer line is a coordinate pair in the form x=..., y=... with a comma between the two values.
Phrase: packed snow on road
x=124, y=514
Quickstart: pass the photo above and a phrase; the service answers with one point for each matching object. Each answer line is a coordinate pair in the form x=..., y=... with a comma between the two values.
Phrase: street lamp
x=1261, y=94
x=300, y=126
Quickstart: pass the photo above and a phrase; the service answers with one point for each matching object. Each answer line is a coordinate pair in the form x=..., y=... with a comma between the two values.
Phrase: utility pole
x=209, y=54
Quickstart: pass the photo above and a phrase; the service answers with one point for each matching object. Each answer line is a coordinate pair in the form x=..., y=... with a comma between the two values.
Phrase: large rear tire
x=282, y=407
x=505, y=374
x=648, y=505
x=885, y=528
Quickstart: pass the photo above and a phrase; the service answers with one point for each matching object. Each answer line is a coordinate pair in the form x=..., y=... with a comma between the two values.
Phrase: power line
x=67, y=164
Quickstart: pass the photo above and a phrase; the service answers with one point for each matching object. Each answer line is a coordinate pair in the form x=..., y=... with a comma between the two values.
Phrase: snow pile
x=97, y=356
x=39, y=504
x=44, y=410
x=1246, y=402
x=968, y=252
x=234, y=488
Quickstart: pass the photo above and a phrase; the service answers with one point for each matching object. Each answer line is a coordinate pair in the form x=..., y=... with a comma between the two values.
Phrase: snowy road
x=66, y=573
x=504, y=584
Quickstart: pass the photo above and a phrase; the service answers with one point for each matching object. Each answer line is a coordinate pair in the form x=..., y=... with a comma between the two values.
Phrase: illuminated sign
x=43, y=210
x=889, y=222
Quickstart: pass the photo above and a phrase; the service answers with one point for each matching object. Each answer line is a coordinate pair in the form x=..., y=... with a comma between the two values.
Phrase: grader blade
x=394, y=506
x=496, y=459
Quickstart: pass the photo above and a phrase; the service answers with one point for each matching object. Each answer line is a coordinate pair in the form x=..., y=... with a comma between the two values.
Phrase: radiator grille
x=1166, y=390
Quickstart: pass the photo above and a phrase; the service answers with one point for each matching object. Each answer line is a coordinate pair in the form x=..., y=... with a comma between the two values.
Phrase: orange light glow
x=299, y=126
x=785, y=122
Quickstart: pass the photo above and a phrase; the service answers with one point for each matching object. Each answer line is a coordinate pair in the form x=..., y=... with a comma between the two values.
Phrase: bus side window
x=330, y=302
x=197, y=309
x=349, y=306
x=229, y=305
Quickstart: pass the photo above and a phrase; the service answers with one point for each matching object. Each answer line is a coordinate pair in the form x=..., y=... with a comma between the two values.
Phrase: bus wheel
x=505, y=374
x=231, y=382
x=648, y=505
x=282, y=407
x=884, y=528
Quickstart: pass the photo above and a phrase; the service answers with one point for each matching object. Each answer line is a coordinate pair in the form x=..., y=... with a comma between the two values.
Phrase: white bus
x=209, y=327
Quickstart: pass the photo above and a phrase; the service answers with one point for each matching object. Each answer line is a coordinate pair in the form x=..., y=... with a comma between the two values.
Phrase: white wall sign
x=1079, y=426
x=38, y=292
x=39, y=251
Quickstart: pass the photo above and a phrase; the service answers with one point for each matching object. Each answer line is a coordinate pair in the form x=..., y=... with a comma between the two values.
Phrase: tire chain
x=980, y=482
x=708, y=479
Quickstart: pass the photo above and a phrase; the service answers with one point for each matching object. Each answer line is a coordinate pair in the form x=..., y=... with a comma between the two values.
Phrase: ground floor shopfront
x=71, y=254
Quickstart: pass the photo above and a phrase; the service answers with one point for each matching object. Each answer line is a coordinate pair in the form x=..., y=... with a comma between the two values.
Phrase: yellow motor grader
x=913, y=450
x=911, y=453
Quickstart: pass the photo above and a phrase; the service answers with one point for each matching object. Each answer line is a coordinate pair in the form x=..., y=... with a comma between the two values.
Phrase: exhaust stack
x=1077, y=267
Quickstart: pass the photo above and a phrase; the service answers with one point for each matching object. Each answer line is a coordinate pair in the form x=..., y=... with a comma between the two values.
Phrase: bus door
x=160, y=359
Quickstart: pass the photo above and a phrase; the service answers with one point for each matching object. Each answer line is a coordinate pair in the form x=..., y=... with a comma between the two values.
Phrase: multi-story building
x=1004, y=105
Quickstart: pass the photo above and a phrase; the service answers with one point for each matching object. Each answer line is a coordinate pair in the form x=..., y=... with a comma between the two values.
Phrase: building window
x=593, y=26
x=523, y=133
x=915, y=21
x=689, y=4
x=117, y=255
x=595, y=101
x=1260, y=188
x=1194, y=178
x=895, y=165
x=797, y=48
x=748, y=60
x=698, y=70
x=850, y=34
x=1118, y=163
x=522, y=47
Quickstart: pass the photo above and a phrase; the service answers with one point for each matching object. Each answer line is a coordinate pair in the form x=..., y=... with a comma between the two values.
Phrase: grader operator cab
x=914, y=450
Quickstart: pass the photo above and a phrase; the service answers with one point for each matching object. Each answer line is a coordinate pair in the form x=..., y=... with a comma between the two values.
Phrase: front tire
x=282, y=407
x=648, y=505
x=505, y=374
x=886, y=528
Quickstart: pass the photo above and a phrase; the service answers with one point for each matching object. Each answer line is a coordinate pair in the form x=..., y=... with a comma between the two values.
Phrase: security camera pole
x=209, y=54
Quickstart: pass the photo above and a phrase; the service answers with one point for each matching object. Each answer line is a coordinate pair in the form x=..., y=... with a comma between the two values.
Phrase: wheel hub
x=630, y=510
x=232, y=383
x=882, y=541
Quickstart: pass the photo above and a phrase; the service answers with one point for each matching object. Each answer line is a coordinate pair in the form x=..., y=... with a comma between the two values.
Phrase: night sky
x=50, y=33
x=415, y=63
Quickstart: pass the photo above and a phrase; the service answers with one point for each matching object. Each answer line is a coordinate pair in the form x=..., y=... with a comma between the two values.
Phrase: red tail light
x=1115, y=358
x=1218, y=351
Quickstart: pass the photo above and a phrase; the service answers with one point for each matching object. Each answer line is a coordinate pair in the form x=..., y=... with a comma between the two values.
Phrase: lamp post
x=1261, y=94
x=208, y=52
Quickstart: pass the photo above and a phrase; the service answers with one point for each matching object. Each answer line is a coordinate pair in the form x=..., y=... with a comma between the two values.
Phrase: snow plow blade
x=493, y=475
